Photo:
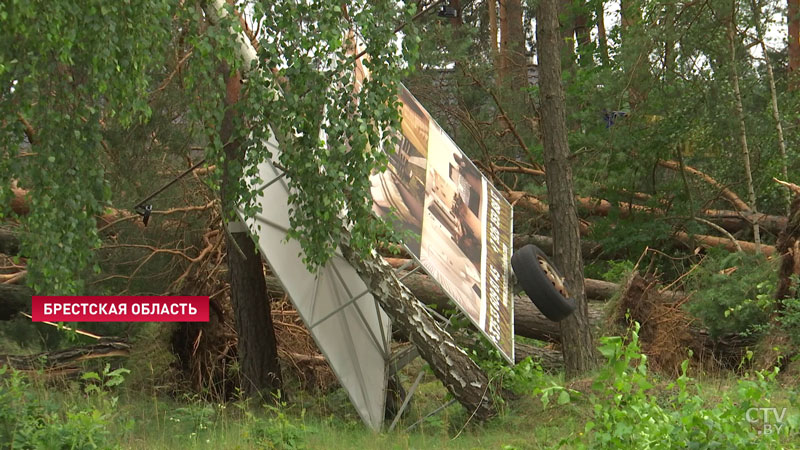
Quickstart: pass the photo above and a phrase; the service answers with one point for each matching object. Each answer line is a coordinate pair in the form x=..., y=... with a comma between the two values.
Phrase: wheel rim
x=553, y=276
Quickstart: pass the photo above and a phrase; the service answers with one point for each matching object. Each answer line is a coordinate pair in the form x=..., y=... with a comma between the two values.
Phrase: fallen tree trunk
x=730, y=220
x=589, y=249
x=65, y=361
x=461, y=376
x=713, y=241
x=550, y=359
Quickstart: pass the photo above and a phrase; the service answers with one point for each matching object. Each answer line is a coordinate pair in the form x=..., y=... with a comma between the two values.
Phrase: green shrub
x=629, y=413
x=29, y=419
x=732, y=292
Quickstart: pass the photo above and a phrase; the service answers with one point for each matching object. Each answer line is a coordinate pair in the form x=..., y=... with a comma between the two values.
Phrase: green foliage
x=277, y=431
x=30, y=420
x=331, y=139
x=81, y=73
x=733, y=292
x=789, y=319
x=72, y=70
x=629, y=413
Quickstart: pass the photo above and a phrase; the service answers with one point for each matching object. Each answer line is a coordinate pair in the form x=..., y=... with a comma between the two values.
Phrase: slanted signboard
x=346, y=322
x=453, y=221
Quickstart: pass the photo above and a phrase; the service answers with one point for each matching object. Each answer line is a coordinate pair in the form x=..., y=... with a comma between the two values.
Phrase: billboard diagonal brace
x=338, y=308
x=354, y=353
x=430, y=414
x=409, y=273
x=381, y=348
x=406, y=400
x=271, y=182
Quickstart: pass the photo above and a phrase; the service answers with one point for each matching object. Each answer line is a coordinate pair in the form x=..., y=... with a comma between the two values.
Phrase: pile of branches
x=668, y=332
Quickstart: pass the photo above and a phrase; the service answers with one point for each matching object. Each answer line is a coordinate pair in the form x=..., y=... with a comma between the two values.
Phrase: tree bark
x=502, y=69
x=453, y=367
x=576, y=336
x=742, y=129
x=514, y=63
x=707, y=241
x=67, y=360
x=582, y=37
x=789, y=248
x=793, y=20
x=776, y=115
x=492, y=4
x=602, y=39
x=257, y=346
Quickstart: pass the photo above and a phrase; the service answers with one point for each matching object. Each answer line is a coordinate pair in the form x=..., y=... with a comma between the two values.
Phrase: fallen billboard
x=346, y=322
x=452, y=220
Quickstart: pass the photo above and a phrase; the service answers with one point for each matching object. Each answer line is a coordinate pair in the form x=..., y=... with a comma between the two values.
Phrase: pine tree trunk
x=452, y=366
x=742, y=129
x=602, y=39
x=793, y=20
x=576, y=336
x=256, y=343
x=492, y=4
x=502, y=72
x=582, y=37
x=776, y=114
x=514, y=55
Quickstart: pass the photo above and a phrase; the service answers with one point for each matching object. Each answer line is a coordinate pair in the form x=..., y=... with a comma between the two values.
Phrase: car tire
x=542, y=282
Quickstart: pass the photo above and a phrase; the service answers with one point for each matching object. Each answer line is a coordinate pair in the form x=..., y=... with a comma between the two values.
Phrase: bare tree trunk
x=776, y=115
x=634, y=57
x=456, y=21
x=602, y=39
x=452, y=366
x=793, y=20
x=256, y=345
x=582, y=37
x=492, y=4
x=502, y=73
x=742, y=129
x=576, y=336
x=512, y=44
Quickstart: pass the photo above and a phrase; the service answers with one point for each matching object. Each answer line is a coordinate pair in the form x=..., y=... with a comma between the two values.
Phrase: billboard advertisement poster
x=452, y=219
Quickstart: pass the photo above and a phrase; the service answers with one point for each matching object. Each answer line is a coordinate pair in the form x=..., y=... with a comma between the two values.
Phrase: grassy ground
x=139, y=420
x=331, y=423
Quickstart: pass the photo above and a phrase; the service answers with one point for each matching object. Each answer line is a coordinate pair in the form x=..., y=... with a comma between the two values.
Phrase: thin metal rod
x=174, y=180
x=434, y=312
x=409, y=273
x=435, y=411
x=381, y=348
x=338, y=308
x=406, y=400
x=272, y=181
x=263, y=219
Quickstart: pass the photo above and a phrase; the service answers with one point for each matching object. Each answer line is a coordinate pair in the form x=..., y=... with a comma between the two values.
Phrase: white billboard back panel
x=347, y=324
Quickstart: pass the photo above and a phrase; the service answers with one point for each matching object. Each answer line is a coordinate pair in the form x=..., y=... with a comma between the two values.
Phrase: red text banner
x=119, y=309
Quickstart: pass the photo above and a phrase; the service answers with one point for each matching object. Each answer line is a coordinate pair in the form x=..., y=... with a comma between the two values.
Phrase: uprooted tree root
x=206, y=352
x=668, y=333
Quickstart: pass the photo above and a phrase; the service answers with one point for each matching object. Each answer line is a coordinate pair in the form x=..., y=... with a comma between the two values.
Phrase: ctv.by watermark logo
x=768, y=420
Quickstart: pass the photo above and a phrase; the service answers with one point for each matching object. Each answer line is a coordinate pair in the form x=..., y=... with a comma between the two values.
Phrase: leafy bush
x=789, y=320
x=733, y=292
x=628, y=413
x=31, y=420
